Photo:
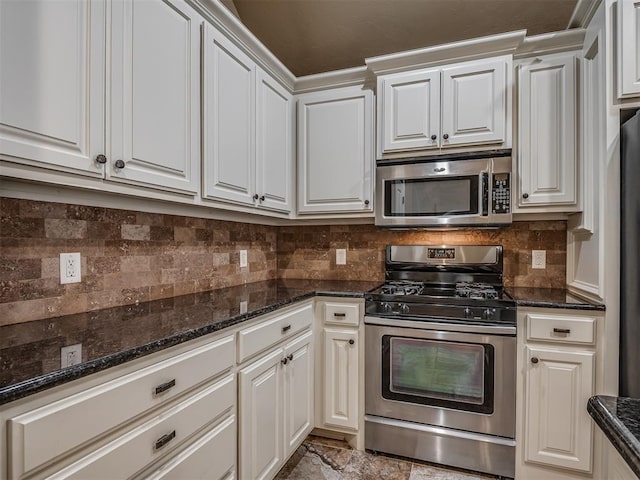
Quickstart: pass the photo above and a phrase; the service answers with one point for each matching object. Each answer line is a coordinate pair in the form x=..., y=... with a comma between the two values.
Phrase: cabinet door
x=341, y=377
x=474, y=103
x=547, y=128
x=229, y=118
x=298, y=392
x=558, y=430
x=274, y=144
x=409, y=111
x=335, y=154
x=155, y=94
x=260, y=449
x=628, y=48
x=52, y=83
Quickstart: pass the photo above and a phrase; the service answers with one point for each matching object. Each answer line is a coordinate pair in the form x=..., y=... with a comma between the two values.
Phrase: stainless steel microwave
x=444, y=192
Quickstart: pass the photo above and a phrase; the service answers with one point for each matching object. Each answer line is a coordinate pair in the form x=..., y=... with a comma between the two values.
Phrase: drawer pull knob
x=286, y=328
x=290, y=356
x=534, y=360
x=163, y=440
x=562, y=330
x=352, y=341
x=284, y=361
x=163, y=387
x=339, y=315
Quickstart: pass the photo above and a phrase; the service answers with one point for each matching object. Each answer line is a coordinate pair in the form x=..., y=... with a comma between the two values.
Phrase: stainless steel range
x=440, y=352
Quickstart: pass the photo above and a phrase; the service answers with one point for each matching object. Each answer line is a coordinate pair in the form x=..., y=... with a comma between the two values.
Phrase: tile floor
x=325, y=459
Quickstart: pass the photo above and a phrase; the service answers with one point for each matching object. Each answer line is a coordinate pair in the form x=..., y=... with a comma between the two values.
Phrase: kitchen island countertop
x=30, y=352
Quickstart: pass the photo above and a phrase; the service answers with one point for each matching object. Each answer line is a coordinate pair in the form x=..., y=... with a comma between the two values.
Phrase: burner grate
x=476, y=291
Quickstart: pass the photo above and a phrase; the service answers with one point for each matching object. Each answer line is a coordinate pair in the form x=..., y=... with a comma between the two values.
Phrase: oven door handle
x=434, y=324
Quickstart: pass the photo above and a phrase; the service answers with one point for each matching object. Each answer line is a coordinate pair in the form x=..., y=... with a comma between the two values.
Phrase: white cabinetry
x=52, y=66
x=248, y=129
x=335, y=151
x=453, y=106
x=547, y=153
x=628, y=44
x=557, y=375
x=617, y=468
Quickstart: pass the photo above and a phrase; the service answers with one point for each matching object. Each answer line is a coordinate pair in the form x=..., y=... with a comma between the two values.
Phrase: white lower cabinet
x=340, y=378
x=275, y=407
x=617, y=468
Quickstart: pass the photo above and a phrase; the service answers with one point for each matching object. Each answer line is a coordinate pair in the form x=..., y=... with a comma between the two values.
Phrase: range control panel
x=501, y=193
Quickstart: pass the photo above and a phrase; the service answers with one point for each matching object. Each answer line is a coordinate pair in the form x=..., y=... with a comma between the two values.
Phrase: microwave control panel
x=501, y=193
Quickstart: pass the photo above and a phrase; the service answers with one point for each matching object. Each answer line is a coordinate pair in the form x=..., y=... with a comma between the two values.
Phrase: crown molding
x=555, y=42
x=338, y=78
x=482, y=47
x=583, y=13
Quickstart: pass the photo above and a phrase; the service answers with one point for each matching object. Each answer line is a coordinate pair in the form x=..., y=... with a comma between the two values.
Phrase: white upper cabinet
x=547, y=162
x=628, y=48
x=248, y=129
x=460, y=105
x=474, y=103
x=52, y=83
x=411, y=106
x=335, y=151
x=155, y=94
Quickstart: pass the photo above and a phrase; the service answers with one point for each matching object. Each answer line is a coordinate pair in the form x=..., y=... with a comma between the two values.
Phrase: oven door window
x=440, y=373
x=428, y=197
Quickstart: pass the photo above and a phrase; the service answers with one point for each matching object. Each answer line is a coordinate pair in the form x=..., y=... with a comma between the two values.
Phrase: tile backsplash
x=130, y=256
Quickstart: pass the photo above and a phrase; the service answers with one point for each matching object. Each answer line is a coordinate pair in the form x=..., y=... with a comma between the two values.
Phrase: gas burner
x=476, y=291
x=402, y=288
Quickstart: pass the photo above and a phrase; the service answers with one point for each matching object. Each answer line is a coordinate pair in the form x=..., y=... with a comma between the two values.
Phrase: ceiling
x=313, y=36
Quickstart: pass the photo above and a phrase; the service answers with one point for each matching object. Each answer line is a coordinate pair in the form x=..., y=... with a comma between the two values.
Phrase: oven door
x=441, y=374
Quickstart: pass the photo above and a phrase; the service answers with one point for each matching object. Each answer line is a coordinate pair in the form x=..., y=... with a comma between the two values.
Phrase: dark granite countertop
x=619, y=419
x=30, y=352
x=551, y=298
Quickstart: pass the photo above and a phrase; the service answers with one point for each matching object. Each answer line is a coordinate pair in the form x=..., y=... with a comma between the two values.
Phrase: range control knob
x=385, y=307
x=468, y=313
x=404, y=308
x=489, y=313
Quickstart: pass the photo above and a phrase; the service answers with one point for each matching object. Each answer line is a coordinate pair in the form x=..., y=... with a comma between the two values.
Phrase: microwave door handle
x=485, y=194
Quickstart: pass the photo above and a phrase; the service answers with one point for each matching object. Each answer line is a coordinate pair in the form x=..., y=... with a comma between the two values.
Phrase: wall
x=127, y=257
x=130, y=257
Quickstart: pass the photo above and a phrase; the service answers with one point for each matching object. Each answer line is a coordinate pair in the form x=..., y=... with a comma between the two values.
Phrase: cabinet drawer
x=35, y=436
x=265, y=334
x=144, y=444
x=341, y=313
x=212, y=456
x=561, y=328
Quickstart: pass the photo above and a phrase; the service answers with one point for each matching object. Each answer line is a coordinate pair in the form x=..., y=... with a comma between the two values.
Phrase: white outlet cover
x=243, y=258
x=70, y=355
x=538, y=259
x=70, y=268
x=341, y=256
x=244, y=305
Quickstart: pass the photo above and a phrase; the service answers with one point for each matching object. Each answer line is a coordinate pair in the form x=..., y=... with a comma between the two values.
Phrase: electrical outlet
x=244, y=304
x=70, y=268
x=341, y=256
x=538, y=259
x=71, y=355
x=243, y=258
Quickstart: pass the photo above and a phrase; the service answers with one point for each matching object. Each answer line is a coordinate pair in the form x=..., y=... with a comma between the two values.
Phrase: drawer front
x=148, y=442
x=561, y=328
x=264, y=335
x=35, y=436
x=341, y=313
x=212, y=456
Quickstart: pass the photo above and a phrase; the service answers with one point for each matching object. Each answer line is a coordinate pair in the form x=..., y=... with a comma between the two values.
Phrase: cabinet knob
x=262, y=198
x=434, y=137
x=525, y=195
x=290, y=356
x=445, y=136
x=366, y=202
x=101, y=159
x=284, y=361
x=352, y=341
x=256, y=196
x=119, y=164
x=534, y=360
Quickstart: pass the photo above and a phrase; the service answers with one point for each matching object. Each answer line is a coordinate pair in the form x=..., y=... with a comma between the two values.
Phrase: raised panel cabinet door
x=260, y=447
x=52, y=56
x=154, y=127
x=274, y=144
x=341, y=378
x=558, y=430
x=628, y=48
x=298, y=391
x=229, y=120
x=335, y=151
x=409, y=111
x=474, y=103
x=547, y=128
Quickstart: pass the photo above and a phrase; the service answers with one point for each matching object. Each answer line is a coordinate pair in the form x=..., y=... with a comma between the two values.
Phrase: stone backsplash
x=130, y=256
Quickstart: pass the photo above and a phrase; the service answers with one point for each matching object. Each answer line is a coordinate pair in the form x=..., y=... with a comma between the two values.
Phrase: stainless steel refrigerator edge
x=630, y=258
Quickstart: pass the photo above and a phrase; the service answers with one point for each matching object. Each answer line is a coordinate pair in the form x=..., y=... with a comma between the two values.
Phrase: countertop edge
x=559, y=305
x=615, y=431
